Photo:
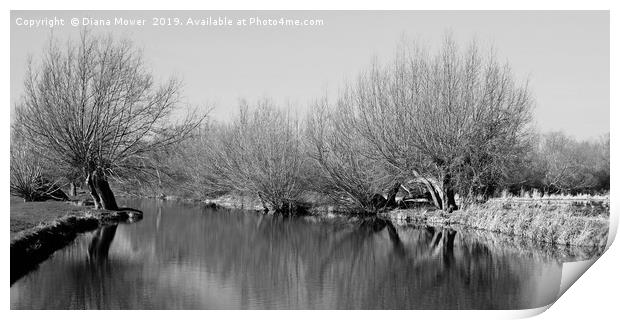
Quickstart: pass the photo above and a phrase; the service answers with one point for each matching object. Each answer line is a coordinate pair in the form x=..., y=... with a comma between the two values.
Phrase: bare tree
x=573, y=166
x=453, y=121
x=191, y=166
x=93, y=105
x=345, y=168
x=260, y=154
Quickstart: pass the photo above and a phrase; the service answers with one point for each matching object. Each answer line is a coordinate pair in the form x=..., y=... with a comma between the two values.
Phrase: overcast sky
x=565, y=55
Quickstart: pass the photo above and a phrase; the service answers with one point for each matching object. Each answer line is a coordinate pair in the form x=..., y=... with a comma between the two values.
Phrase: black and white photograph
x=305, y=160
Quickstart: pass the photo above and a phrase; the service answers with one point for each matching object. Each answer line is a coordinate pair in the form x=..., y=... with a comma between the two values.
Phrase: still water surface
x=187, y=256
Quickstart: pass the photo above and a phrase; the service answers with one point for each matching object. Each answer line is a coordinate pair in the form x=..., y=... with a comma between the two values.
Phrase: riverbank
x=238, y=202
x=568, y=223
x=555, y=221
x=573, y=228
x=40, y=228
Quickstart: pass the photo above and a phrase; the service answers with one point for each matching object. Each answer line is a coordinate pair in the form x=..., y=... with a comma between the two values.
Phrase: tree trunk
x=450, y=200
x=93, y=192
x=391, y=196
x=441, y=192
x=449, y=203
x=106, y=195
x=100, y=191
x=72, y=189
x=447, y=199
x=437, y=200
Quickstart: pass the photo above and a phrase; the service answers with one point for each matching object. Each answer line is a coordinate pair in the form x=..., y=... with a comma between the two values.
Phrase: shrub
x=28, y=179
x=260, y=153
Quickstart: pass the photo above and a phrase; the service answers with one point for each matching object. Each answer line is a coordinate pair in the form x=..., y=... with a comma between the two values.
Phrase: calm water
x=186, y=256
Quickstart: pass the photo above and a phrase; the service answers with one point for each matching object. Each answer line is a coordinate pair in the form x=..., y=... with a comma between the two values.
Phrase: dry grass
x=566, y=223
x=235, y=201
x=573, y=223
x=537, y=195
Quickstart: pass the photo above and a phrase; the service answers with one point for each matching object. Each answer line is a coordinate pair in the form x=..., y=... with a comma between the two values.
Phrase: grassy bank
x=235, y=202
x=40, y=228
x=583, y=223
x=567, y=221
x=28, y=215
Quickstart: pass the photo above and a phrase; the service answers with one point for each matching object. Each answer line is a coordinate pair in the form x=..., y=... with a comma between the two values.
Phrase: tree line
x=451, y=125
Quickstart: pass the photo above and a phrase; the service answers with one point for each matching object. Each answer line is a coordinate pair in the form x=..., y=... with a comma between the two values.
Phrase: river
x=188, y=256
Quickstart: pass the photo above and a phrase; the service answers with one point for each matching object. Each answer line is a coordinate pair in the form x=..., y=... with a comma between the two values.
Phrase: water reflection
x=187, y=256
x=100, y=244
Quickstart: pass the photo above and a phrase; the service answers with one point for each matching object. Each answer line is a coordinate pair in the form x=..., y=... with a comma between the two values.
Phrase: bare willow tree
x=452, y=121
x=260, y=154
x=345, y=168
x=93, y=105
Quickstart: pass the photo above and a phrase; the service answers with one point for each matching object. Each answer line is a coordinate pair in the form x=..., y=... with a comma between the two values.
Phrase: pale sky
x=565, y=55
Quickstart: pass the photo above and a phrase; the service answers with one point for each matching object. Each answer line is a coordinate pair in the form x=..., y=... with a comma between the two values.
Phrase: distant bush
x=28, y=179
x=189, y=169
x=559, y=164
x=260, y=153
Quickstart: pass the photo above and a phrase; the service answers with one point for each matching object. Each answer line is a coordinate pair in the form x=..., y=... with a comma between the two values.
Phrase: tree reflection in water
x=100, y=243
x=186, y=256
x=426, y=270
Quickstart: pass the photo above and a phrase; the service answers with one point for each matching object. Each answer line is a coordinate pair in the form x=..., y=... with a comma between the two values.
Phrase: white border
x=594, y=295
